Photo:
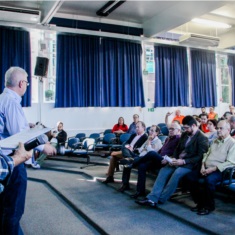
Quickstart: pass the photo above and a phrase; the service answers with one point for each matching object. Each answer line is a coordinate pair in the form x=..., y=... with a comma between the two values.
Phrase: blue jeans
x=12, y=202
x=166, y=183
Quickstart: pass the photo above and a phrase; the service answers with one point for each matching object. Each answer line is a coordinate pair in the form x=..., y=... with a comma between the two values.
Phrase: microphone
x=41, y=139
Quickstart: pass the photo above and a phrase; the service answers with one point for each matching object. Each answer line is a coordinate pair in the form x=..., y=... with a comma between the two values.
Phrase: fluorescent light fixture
x=109, y=7
x=211, y=23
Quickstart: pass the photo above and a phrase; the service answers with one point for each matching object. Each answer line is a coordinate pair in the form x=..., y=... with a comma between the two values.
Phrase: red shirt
x=204, y=129
x=178, y=118
x=117, y=127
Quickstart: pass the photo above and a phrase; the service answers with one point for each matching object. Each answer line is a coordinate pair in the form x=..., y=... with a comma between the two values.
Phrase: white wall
x=91, y=120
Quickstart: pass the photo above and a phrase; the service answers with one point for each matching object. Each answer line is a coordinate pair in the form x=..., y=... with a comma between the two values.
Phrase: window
x=43, y=44
x=149, y=73
x=224, y=79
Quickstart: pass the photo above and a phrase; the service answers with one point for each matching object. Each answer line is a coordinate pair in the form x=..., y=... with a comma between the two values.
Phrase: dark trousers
x=12, y=202
x=202, y=188
x=150, y=160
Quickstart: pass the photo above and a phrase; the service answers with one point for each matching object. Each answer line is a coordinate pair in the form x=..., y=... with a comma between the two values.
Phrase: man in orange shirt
x=212, y=114
x=177, y=117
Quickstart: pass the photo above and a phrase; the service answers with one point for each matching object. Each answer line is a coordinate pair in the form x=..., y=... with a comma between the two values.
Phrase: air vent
x=19, y=15
x=199, y=40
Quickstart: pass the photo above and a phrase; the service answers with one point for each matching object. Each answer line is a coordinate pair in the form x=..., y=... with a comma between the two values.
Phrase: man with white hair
x=220, y=156
x=12, y=121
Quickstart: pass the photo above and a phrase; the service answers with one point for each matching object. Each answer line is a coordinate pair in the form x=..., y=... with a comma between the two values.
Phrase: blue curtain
x=121, y=74
x=15, y=51
x=203, y=78
x=78, y=80
x=231, y=65
x=95, y=72
x=171, y=76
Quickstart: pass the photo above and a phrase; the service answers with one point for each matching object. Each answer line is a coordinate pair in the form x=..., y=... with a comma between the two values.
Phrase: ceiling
x=158, y=19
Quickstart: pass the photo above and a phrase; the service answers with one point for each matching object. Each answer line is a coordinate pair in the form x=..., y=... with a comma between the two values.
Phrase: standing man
x=12, y=121
x=132, y=127
x=187, y=156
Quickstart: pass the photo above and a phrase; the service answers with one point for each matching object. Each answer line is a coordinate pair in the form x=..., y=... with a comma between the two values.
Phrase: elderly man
x=155, y=160
x=12, y=121
x=220, y=156
x=130, y=148
x=152, y=144
x=132, y=127
x=187, y=155
x=178, y=117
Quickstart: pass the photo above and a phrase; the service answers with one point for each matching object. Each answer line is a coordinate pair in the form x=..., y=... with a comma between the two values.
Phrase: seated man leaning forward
x=155, y=160
x=220, y=156
x=153, y=144
x=128, y=150
x=188, y=154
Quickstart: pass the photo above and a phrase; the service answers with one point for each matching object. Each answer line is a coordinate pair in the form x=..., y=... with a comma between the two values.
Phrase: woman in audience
x=212, y=134
x=120, y=127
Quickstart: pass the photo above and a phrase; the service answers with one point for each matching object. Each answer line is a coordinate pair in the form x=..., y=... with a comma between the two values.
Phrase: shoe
x=124, y=188
x=128, y=166
x=35, y=165
x=126, y=161
x=146, y=202
x=195, y=209
x=109, y=179
x=137, y=194
x=203, y=211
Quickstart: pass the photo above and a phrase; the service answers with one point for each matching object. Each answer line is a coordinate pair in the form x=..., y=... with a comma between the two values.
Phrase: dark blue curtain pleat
x=203, y=78
x=231, y=65
x=15, y=51
x=122, y=74
x=95, y=72
x=77, y=72
x=171, y=76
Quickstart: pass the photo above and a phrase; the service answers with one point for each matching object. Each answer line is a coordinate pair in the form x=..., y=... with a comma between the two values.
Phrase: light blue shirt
x=12, y=117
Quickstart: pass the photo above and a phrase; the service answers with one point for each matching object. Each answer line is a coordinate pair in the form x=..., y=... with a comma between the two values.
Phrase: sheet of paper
x=12, y=142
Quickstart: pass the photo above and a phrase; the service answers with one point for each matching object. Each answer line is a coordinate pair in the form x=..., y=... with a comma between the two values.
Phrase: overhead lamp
x=211, y=23
x=109, y=7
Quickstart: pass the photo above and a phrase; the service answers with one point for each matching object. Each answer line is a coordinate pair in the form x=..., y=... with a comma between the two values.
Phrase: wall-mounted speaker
x=41, y=67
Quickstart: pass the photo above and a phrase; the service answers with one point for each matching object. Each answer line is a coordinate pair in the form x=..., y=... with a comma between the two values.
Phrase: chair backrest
x=95, y=136
x=108, y=138
x=161, y=125
x=107, y=131
x=164, y=130
x=147, y=129
x=72, y=142
x=88, y=143
x=124, y=137
x=162, y=138
x=80, y=135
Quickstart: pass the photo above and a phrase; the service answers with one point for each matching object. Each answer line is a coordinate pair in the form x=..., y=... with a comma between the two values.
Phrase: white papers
x=168, y=159
x=12, y=142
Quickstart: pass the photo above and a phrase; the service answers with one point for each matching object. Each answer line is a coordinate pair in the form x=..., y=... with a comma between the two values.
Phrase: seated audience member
x=232, y=109
x=58, y=137
x=128, y=150
x=153, y=160
x=232, y=125
x=226, y=116
x=220, y=156
x=212, y=114
x=203, y=109
x=177, y=117
x=153, y=144
x=187, y=155
x=132, y=127
x=203, y=125
x=7, y=164
x=212, y=134
x=120, y=127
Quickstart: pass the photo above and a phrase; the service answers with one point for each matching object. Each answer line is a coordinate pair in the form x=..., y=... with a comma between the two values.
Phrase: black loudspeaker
x=41, y=67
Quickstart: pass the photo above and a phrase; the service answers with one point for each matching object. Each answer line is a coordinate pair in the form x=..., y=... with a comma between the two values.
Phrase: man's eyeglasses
x=186, y=127
x=135, y=117
x=171, y=129
x=151, y=130
x=27, y=83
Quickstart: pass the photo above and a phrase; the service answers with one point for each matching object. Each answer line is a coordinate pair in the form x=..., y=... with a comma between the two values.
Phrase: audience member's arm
x=166, y=118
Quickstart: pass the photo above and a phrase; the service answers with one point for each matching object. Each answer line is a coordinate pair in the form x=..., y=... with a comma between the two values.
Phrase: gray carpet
x=63, y=199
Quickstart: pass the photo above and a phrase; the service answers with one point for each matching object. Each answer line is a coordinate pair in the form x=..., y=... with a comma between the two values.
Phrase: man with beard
x=187, y=155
